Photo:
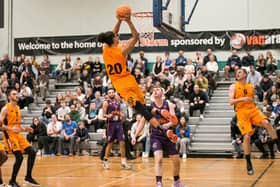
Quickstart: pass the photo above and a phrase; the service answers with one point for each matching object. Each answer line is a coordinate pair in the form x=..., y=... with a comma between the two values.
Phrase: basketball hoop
x=144, y=24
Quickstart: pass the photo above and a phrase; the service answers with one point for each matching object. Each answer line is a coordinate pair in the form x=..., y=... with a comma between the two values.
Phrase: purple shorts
x=115, y=132
x=161, y=142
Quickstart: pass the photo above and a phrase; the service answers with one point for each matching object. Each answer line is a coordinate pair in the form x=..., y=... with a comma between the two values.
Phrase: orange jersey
x=244, y=90
x=13, y=115
x=115, y=63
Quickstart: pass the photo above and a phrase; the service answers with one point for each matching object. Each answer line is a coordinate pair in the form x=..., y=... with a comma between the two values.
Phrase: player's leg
x=271, y=131
x=158, y=155
x=16, y=167
x=247, y=152
x=107, y=154
x=121, y=139
x=3, y=159
x=30, y=163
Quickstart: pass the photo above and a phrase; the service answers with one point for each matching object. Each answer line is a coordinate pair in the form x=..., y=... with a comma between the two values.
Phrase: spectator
x=139, y=65
x=6, y=64
x=264, y=138
x=74, y=114
x=197, y=101
x=236, y=137
x=58, y=72
x=271, y=63
x=13, y=80
x=189, y=67
x=167, y=60
x=47, y=113
x=98, y=100
x=88, y=65
x=88, y=97
x=25, y=96
x=91, y=120
x=85, y=80
x=261, y=64
x=233, y=63
x=130, y=63
x=81, y=110
x=77, y=67
x=82, y=138
x=62, y=111
x=255, y=78
x=277, y=126
x=145, y=62
x=34, y=62
x=183, y=131
x=97, y=83
x=43, y=84
x=46, y=64
x=68, y=68
x=206, y=58
x=202, y=82
x=97, y=67
x=38, y=134
x=272, y=96
x=69, y=130
x=80, y=94
x=188, y=87
x=28, y=68
x=265, y=85
x=158, y=67
x=247, y=60
x=54, y=132
x=181, y=60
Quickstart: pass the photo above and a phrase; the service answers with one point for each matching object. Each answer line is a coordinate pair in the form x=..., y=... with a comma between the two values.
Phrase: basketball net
x=144, y=25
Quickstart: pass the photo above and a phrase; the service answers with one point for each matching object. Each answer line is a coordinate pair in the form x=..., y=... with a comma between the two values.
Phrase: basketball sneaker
x=2, y=185
x=106, y=164
x=172, y=118
x=159, y=184
x=13, y=184
x=31, y=181
x=172, y=137
x=178, y=183
x=250, y=170
x=126, y=166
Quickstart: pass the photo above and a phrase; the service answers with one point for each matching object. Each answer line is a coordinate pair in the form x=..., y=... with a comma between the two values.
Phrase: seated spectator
x=46, y=64
x=98, y=100
x=181, y=60
x=197, y=101
x=247, y=60
x=38, y=134
x=69, y=130
x=43, y=84
x=167, y=60
x=97, y=67
x=88, y=97
x=82, y=138
x=58, y=72
x=260, y=64
x=69, y=97
x=158, y=67
x=62, y=111
x=138, y=75
x=236, y=137
x=272, y=96
x=67, y=69
x=58, y=100
x=271, y=63
x=81, y=110
x=88, y=65
x=27, y=79
x=183, y=131
x=212, y=67
x=34, y=62
x=207, y=57
x=47, y=113
x=202, y=82
x=188, y=87
x=97, y=83
x=28, y=68
x=25, y=96
x=91, y=120
x=80, y=94
x=13, y=80
x=6, y=64
x=264, y=138
x=54, y=132
x=74, y=114
x=265, y=85
x=139, y=65
x=233, y=63
x=255, y=78
x=142, y=136
x=189, y=67
x=85, y=80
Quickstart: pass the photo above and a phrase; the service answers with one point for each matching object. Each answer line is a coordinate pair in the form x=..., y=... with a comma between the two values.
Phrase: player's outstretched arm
x=133, y=40
x=116, y=29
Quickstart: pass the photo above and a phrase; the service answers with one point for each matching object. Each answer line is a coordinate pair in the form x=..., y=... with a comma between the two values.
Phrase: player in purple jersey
x=159, y=141
x=111, y=111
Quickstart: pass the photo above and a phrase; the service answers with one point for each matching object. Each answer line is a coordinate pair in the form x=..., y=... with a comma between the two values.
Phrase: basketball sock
x=159, y=178
x=17, y=165
x=250, y=170
x=1, y=180
x=123, y=160
x=176, y=178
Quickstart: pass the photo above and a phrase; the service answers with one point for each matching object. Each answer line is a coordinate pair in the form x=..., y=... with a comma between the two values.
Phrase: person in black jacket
x=197, y=101
x=38, y=134
x=233, y=63
x=81, y=137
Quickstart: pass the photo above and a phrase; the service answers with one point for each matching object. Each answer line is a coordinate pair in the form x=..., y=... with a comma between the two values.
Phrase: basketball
x=123, y=11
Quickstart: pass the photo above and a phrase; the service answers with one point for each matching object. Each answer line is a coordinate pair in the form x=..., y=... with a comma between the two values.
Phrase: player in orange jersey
x=10, y=118
x=115, y=58
x=3, y=159
x=241, y=95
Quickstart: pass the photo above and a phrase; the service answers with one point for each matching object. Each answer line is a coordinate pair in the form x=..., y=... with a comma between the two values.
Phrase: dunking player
x=160, y=142
x=112, y=111
x=122, y=80
x=3, y=159
x=10, y=118
x=241, y=95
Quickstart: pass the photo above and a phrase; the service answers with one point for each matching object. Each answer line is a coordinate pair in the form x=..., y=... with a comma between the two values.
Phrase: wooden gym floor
x=87, y=171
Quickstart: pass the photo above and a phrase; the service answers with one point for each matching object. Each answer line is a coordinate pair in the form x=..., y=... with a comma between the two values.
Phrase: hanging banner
x=194, y=41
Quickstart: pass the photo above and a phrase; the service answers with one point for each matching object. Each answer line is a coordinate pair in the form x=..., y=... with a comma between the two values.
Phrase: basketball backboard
x=171, y=16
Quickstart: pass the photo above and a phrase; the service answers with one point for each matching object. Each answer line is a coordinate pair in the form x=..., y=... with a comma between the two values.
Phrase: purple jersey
x=159, y=118
x=114, y=107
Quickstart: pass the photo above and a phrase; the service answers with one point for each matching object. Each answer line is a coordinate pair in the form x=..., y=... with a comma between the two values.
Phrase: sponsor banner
x=194, y=41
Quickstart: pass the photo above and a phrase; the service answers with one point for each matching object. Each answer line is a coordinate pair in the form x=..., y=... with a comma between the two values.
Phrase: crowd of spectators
x=186, y=81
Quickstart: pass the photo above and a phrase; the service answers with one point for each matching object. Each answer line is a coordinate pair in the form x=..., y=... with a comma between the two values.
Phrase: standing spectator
x=181, y=60
x=233, y=63
x=207, y=57
x=7, y=64
x=46, y=64
x=183, y=131
x=43, y=84
x=130, y=62
x=62, y=111
x=145, y=63
x=247, y=60
x=91, y=120
x=271, y=63
x=255, y=78
x=82, y=138
x=38, y=134
x=158, y=67
x=69, y=130
x=197, y=101
x=97, y=66
x=277, y=126
x=261, y=64
x=54, y=132
x=77, y=67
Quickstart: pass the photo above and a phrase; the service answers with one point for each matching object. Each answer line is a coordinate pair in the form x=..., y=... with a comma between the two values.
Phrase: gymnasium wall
x=33, y=18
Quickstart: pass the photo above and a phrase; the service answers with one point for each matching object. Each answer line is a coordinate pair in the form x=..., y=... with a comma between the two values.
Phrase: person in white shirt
x=54, y=132
x=189, y=68
x=62, y=111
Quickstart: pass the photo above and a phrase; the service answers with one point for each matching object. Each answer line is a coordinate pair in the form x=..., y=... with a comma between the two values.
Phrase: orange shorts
x=129, y=90
x=247, y=118
x=16, y=142
x=2, y=147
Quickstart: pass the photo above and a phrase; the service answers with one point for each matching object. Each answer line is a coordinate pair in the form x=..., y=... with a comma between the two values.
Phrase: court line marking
x=262, y=174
